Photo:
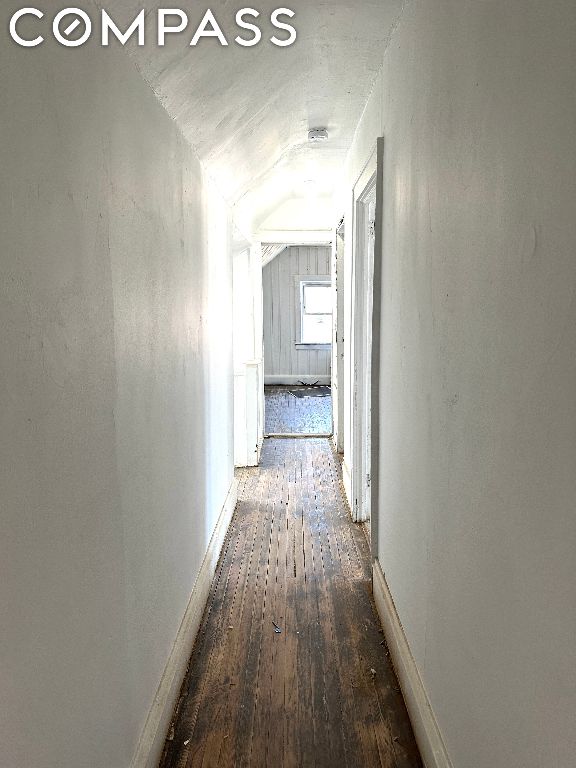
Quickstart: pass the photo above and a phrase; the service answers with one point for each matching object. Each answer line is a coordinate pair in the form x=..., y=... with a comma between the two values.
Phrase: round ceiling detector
x=317, y=134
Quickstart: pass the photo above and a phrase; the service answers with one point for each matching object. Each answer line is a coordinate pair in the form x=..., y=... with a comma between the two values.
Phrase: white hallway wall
x=283, y=362
x=116, y=389
x=477, y=539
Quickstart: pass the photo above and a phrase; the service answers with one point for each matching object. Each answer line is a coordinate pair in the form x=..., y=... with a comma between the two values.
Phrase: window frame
x=300, y=281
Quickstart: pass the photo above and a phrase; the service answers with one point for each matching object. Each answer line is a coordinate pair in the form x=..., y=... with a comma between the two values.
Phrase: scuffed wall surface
x=477, y=106
x=281, y=305
x=116, y=390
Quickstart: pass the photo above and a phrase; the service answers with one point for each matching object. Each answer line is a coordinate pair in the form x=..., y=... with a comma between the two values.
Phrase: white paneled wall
x=283, y=361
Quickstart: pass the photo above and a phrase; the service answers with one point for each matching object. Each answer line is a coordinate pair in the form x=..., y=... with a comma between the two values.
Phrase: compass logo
x=72, y=27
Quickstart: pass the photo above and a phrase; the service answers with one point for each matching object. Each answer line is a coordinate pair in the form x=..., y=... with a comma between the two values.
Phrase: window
x=315, y=312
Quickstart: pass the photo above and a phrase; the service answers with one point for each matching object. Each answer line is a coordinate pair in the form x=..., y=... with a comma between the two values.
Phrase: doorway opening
x=297, y=324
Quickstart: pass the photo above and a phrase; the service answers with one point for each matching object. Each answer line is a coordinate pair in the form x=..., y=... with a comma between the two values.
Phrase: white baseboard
x=151, y=744
x=426, y=731
x=347, y=483
x=292, y=381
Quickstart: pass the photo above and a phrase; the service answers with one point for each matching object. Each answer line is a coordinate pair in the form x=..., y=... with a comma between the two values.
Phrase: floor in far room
x=287, y=413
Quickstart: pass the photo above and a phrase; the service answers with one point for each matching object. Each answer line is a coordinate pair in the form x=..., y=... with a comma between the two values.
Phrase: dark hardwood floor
x=289, y=668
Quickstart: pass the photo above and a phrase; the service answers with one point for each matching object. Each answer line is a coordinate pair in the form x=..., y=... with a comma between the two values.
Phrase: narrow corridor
x=289, y=666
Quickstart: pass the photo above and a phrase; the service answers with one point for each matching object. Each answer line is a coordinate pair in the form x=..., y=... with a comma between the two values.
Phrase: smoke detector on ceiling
x=318, y=134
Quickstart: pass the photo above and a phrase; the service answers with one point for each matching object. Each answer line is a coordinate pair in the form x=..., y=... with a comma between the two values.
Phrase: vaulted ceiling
x=247, y=111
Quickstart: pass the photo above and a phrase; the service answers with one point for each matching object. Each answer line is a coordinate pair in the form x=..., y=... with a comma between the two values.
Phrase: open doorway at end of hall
x=297, y=314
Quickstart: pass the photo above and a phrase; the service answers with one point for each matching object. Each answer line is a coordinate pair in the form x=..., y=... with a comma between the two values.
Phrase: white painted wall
x=116, y=390
x=477, y=105
x=283, y=362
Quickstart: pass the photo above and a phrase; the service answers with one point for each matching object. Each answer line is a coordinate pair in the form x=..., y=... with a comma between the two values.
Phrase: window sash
x=312, y=300
x=310, y=320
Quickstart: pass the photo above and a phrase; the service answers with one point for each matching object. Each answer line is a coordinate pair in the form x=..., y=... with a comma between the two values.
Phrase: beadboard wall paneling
x=281, y=357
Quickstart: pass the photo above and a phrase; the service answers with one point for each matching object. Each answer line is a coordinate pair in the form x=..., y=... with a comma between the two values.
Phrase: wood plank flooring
x=289, y=668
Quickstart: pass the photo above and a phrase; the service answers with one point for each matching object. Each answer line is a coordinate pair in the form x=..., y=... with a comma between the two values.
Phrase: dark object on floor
x=311, y=392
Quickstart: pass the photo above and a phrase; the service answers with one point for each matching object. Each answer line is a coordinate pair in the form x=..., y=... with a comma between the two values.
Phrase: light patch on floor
x=287, y=414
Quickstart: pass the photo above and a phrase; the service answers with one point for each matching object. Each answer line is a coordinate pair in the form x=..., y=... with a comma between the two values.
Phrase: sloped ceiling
x=247, y=111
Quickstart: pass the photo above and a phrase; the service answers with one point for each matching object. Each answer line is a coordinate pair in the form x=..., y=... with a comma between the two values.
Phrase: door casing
x=362, y=304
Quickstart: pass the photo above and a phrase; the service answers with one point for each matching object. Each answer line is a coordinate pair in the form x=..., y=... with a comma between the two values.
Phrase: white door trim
x=361, y=350
x=377, y=300
x=338, y=287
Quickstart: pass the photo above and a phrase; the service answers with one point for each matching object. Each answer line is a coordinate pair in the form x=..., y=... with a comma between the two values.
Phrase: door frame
x=366, y=287
x=248, y=352
x=362, y=296
x=377, y=300
x=338, y=327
